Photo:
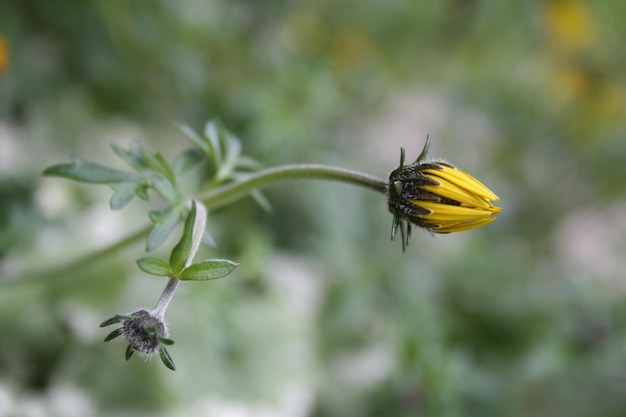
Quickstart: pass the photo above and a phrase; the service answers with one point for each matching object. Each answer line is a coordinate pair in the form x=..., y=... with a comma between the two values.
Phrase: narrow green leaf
x=182, y=255
x=157, y=216
x=248, y=164
x=212, y=135
x=194, y=137
x=187, y=160
x=124, y=192
x=84, y=171
x=164, y=187
x=166, y=359
x=154, y=265
x=131, y=156
x=141, y=190
x=157, y=163
x=165, y=166
x=232, y=153
x=261, y=200
x=207, y=240
x=164, y=223
x=206, y=270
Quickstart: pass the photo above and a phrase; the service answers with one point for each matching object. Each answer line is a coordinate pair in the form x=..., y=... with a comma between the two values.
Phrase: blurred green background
x=324, y=317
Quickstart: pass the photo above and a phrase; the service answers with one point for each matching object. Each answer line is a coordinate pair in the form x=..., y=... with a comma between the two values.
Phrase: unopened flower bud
x=438, y=197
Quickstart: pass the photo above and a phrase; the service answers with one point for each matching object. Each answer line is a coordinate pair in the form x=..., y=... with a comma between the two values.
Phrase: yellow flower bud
x=437, y=196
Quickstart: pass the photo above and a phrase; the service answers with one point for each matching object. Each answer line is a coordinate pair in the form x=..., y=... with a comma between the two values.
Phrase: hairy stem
x=166, y=297
x=215, y=198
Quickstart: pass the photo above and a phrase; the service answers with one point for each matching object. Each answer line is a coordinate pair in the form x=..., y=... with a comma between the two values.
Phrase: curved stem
x=231, y=192
x=219, y=197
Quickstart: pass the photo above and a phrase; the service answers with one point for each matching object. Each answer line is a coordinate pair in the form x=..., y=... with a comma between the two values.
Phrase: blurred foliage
x=324, y=317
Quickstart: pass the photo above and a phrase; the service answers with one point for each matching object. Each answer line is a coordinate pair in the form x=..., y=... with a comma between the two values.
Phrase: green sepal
x=398, y=187
x=424, y=154
x=167, y=359
x=115, y=333
x=206, y=270
x=165, y=341
x=130, y=351
x=184, y=251
x=115, y=319
x=85, y=171
x=395, y=223
x=154, y=265
x=402, y=157
x=164, y=222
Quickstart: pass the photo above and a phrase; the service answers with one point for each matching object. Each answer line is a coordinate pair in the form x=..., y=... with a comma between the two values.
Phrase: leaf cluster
x=180, y=264
x=219, y=149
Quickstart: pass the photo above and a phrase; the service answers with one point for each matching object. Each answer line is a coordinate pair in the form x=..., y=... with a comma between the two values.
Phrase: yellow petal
x=454, y=192
x=463, y=179
x=447, y=213
x=462, y=226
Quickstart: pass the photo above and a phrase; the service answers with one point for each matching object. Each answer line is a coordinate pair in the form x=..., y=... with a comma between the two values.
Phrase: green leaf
x=142, y=192
x=207, y=240
x=164, y=187
x=164, y=222
x=157, y=163
x=232, y=153
x=154, y=265
x=212, y=135
x=182, y=255
x=157, y=216
x=84, y=171
x=248, y=164
x=211, y=269
x=261, y=200
x=193, y=136
x=187, y=160
x=132, y=156
x=124, y=192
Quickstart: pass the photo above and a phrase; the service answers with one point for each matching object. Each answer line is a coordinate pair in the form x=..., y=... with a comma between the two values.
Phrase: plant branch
x=215, y=198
